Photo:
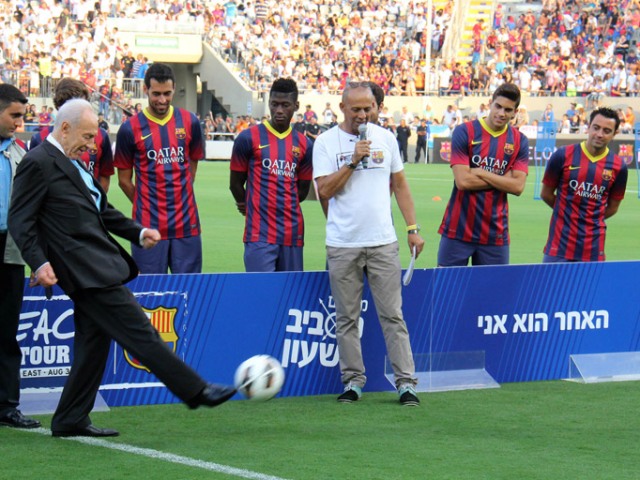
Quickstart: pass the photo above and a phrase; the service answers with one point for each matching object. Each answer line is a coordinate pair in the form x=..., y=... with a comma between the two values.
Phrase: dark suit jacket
x=54, y=218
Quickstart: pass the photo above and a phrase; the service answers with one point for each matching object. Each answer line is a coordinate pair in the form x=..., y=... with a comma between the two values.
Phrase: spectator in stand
x=629, y=116
x=105, y=96
x=522, y=117
x=241, y=124
x=117, y=106
x=142, y=71
x=102, y=123
x=483, y=110
x=135, y=66
x=548, y=114
x=300, y=125
x=222, y=129
x=451, y=117
x=312, y=129
x=30, y=118
x=565, y=125
x=309, y=114
x=328, y=114
x=444, y=79
x=392, y=44
x=44, y=117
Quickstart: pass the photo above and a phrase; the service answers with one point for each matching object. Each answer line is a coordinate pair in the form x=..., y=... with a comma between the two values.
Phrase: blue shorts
x=180, y=255
x=268, y=257
x=456, y=253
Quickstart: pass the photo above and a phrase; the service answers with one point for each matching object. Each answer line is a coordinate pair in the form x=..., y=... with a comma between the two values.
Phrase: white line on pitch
x=167, y=457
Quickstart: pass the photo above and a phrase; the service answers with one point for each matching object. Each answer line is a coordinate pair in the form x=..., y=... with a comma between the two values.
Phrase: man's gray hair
x=71, y=112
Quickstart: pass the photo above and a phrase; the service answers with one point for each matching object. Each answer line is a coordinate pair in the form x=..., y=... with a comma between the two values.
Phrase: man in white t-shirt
x=354, y=176
x=327, y=114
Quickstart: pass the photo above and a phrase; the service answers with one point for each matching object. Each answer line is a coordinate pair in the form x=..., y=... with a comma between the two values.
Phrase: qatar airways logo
x=491, y=164
x=163, y=156
x=282, y=168
x=589, y=190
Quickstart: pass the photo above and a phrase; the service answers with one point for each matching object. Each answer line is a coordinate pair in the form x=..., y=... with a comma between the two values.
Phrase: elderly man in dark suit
x=60, y=219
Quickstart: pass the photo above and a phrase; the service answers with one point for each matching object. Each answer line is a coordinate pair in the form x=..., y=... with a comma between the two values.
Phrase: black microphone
x=362, y=130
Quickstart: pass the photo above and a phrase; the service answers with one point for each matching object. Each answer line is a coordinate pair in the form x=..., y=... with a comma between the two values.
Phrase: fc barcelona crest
x=295, y=151
x=625, y=153
x=181, y=133
x=445, y=151
x=163, y=320
x=508, y=149
x=607, y=175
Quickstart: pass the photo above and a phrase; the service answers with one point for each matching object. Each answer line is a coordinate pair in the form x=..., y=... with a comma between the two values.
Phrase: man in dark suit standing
x=13, y=105
x=403, y=132
x=421, y=144
x=60, y=219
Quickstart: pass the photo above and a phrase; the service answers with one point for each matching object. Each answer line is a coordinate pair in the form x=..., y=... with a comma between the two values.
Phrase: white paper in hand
x=409, y=272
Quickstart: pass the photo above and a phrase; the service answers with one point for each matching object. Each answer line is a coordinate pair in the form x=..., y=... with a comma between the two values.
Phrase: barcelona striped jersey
x=584, y=185
x=98, y=160
x=159, y=151
x=274, y=163
x=482, y=216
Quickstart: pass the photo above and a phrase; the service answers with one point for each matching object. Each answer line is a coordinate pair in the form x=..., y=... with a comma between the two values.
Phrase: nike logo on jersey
x=263, y=146
x=144, y=137
x=571, y=167
x=474, y=142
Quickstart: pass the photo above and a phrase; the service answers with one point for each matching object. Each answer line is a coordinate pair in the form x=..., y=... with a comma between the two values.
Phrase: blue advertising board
x=527, y=319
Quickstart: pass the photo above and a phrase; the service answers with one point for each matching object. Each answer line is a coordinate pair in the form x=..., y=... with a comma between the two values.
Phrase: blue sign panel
x=527, y=320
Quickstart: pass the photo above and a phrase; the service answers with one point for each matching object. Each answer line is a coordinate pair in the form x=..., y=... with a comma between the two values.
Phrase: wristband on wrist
x=352, y=165
x=412, y=229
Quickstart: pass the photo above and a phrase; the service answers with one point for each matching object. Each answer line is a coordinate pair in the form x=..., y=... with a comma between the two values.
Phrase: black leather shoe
x=212, y=395
x=16, y=419
x=90, y=431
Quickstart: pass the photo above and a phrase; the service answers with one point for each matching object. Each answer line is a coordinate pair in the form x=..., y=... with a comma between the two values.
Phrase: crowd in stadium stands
x=563, y=47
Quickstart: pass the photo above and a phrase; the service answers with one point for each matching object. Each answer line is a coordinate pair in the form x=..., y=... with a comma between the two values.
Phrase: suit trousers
x=11, y=290
x=347, y=267
x=421, y=146
x=102, y=314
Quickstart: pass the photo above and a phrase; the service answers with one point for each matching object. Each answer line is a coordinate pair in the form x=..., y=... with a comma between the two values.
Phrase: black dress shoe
x=16, y=419
x=212, y=395
x=90, y=431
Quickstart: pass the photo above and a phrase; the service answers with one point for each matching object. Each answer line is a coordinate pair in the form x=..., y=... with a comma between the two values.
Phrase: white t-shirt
x=359, y=214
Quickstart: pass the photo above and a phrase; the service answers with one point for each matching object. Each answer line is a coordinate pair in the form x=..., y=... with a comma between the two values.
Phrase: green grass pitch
x=542, y=430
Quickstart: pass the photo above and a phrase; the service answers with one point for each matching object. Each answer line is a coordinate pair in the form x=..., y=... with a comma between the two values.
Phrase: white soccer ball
x=259, y=377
